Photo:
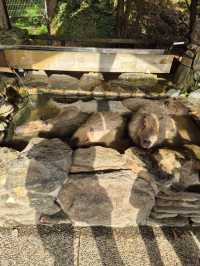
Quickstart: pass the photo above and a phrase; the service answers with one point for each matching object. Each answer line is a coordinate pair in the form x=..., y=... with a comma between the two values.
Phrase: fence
x=18, y=8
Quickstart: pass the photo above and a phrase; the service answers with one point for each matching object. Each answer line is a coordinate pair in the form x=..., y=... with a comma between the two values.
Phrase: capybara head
x=149, y=131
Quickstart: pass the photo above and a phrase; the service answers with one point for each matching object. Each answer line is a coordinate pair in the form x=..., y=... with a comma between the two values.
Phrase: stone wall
x=86, y=157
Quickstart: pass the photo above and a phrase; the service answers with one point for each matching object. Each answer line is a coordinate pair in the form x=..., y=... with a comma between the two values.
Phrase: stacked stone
x=94, y=85
x=177, y=208
x=94, y=186
x=178, y=200
x=102, y=178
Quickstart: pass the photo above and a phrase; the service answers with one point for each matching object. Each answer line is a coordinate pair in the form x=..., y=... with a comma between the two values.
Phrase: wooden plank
x=95, y=60
x=5, y=70
x=82, y=49
x=92, y=40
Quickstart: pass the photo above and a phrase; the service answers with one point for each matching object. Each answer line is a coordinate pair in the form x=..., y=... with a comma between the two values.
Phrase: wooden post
x=4, y=19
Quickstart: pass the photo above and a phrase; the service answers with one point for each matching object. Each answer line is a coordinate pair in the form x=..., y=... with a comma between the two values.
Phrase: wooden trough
x=85, y=59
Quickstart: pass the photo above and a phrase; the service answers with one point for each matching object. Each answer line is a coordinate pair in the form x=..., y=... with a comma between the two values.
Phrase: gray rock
x=61, y=126
x=195, y=219
x=177, y=196
x=97, y=158
x=176, y=221
x=139, y=79
x=182, y=164
x=173, y=93
x=107, y=199
x=6, y=155
x=33, y=178
x=95, y=106
x=155, y=215
x=36, y=79
x=135, y=160
x=58, y=81
x=194, y=107
x=194, y=95
x=90, y=80
x=67, y=122
x=177, y=204
x=177, y=210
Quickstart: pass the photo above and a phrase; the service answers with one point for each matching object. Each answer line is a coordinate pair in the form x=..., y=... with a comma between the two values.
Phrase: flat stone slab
x=97, y=158
x=116, y=199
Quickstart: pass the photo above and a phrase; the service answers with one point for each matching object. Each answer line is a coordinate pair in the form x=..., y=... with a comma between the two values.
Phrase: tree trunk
x=4, y=19
x=126, y=18
x=50, y=7
x=120, y=18
x=193, y=13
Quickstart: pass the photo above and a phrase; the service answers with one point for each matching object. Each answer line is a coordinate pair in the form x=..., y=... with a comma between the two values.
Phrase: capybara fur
x=160, y=122
x=102, y=128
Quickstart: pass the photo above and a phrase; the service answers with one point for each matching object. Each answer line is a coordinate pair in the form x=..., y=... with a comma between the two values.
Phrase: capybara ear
x=176, y=107
x=134, y=104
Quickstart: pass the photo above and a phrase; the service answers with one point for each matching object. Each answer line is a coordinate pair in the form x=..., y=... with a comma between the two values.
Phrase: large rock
x=39, y=107
x=58, y=81
x=36, y=79
x=135, y=160
x=107, y=199
x=32, y=179
x=6, y=155
x=139, y=79
x=94, y=106
x=168, y=160
x=194, y=106
x=187, y=131
x=67, y=122
x=90, y=80
x=61, y=126
x=182, y=165
x=97, y=158
x=102, y=128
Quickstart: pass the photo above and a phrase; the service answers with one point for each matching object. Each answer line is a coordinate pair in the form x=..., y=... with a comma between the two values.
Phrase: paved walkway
x=65, y=246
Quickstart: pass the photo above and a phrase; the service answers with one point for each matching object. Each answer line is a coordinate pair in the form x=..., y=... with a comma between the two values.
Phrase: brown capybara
x=156, y=122
x=102, y=128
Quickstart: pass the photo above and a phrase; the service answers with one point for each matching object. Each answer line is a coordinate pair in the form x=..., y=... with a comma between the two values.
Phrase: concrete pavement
x=62, y=245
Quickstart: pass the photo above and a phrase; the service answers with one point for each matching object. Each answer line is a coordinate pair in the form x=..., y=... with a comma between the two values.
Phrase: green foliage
x=32, y=19
x=152, y=20
x=84, y=22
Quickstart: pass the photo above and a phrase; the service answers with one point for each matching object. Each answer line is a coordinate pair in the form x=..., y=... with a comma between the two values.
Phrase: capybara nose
x=146, y=143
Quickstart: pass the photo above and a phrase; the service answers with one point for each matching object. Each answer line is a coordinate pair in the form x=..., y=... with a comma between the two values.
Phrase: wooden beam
x=92, y=40
x=89, y=59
